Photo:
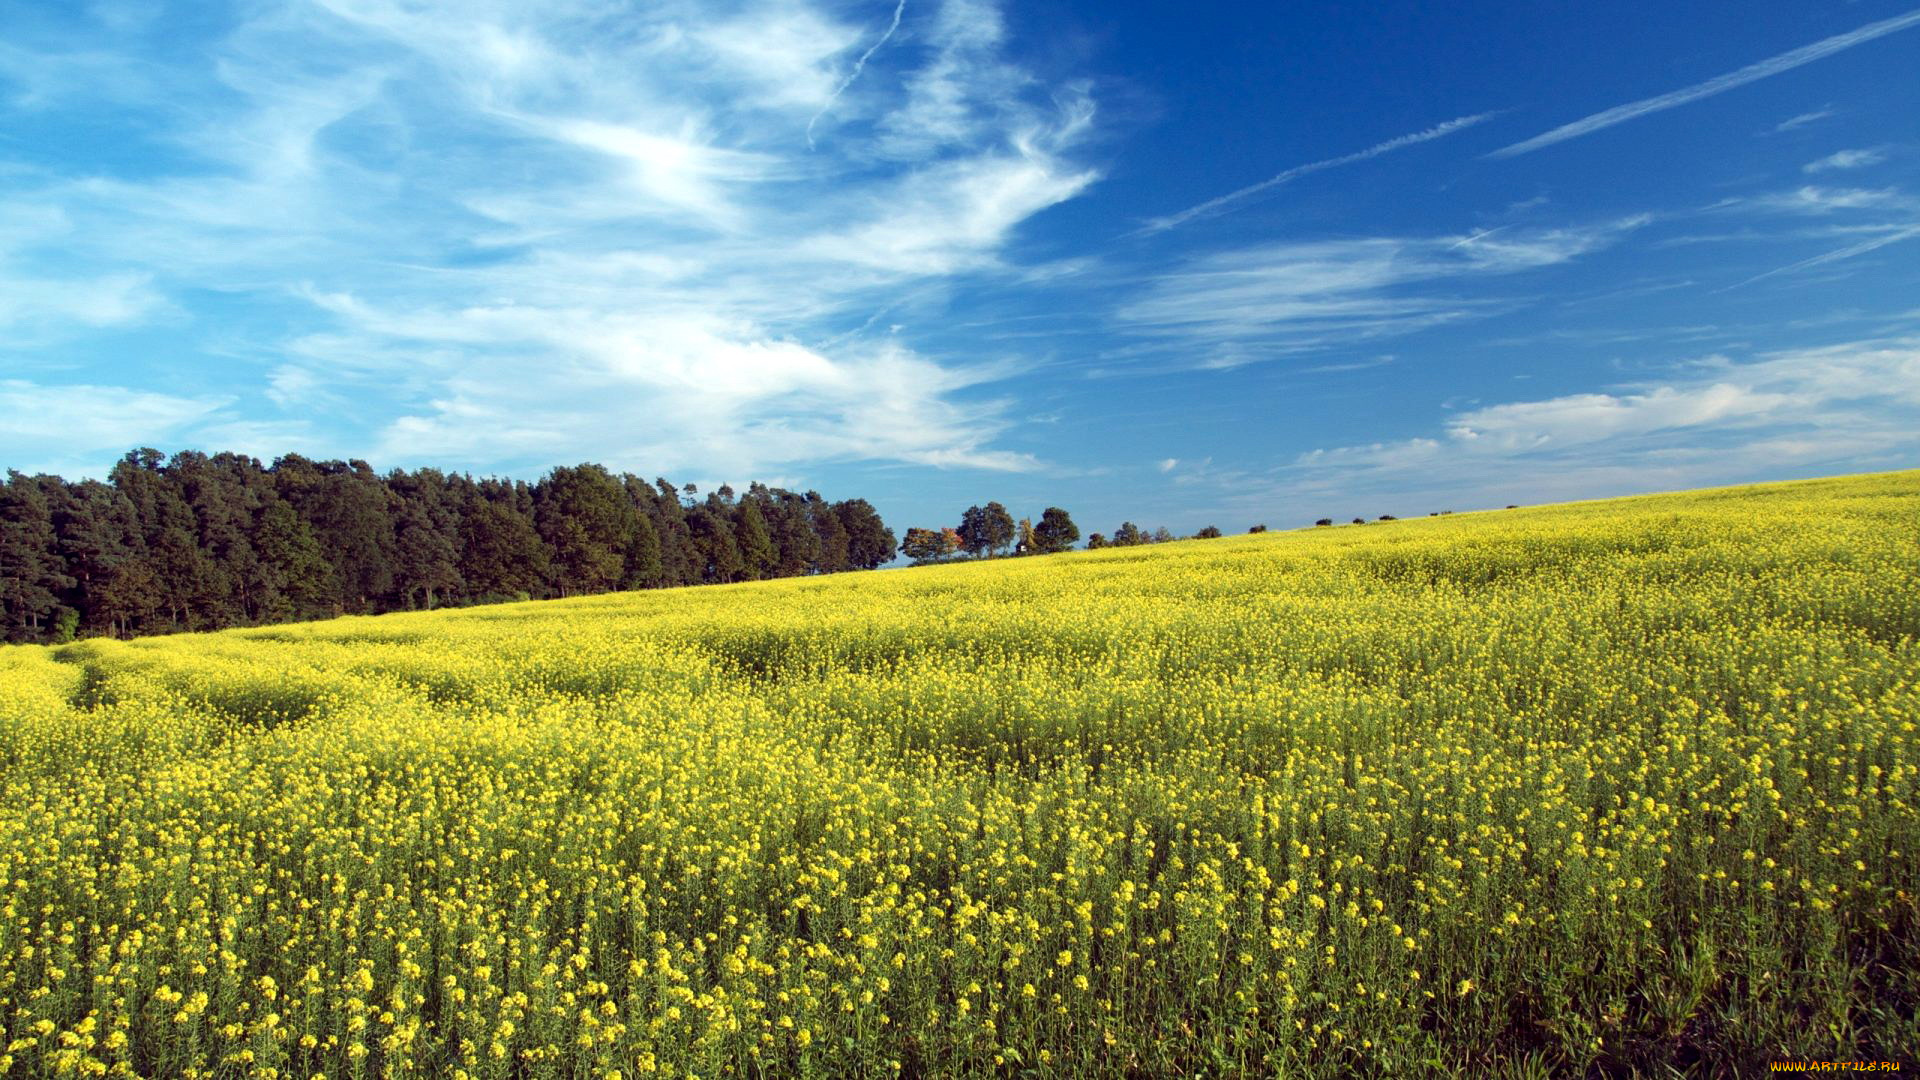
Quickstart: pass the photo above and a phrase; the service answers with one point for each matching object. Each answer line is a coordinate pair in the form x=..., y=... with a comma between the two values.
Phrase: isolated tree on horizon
x=1056, y=531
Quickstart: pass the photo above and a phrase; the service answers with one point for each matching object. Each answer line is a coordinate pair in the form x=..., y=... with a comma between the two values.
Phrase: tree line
x=990, y=531
x=200, y=542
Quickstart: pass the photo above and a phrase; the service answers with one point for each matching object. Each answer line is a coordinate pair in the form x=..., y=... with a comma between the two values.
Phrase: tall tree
x=869, y=541
x=719, y=552
x=131, y=599
x=642, y=555
x=351, y=512
x=1056, y=531
x=793, y=535
x=170, y=533
x=587, y=520
x=757, y=550
x=833, y=554
x=99, y=534
x=680, y=562
x=973, y=531
x=998, y=527
x=424, y=558
x=293, y=575
x=31, y=575
x=501, y=555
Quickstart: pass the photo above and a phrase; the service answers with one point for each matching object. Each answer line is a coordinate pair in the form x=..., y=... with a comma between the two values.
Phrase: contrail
x=858, y=65
x=1849, y=252
x=1786, y=61
x=1162, y=224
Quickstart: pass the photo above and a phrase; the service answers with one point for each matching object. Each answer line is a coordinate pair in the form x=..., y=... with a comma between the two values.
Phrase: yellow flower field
x=1624, y=784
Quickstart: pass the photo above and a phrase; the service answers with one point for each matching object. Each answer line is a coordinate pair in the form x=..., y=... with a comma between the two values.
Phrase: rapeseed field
x=1605, y=787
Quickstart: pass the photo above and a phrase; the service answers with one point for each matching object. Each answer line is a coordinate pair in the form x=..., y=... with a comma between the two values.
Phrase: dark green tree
x=587, y=520
x=501, y=555
x=757, y=551
x=98, y=534
x=294, y=577
x=793, y=534
x=869, y=541
x=719, y=552
x=973, y=531
x=643, y=554
x=832, y=548
x=999, y=527
x=31, y=575
x=1056, y=531
x=130, y=601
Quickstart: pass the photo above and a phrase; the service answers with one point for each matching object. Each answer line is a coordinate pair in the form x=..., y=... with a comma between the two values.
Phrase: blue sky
x=1171, y=263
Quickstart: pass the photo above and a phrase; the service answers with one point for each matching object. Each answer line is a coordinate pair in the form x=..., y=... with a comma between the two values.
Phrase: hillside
x=1611, y=784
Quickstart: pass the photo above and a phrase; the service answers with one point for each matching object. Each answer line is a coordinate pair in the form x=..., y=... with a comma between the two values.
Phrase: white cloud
x=963, y=88
x=1846, y=159
x=953, y=216
x=1802, y=120
x=1774, y=65
x=1169, y=464
x=497, y=232
x=1818, y=200
x=666, y=173
x=41, y=304
x=1848, y=405
x=1281, y=298
x=74, y=419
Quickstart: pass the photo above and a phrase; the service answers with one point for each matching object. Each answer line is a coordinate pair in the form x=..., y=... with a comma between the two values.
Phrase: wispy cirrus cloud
x=1278, y=299
x=498, y=233
x=1813, y=199
x=1801, y=120
x=48, y=422
x=1226, y=202
x=1713, y=421
x=1873, y=243
x=1846, y=159
x=1754, y=72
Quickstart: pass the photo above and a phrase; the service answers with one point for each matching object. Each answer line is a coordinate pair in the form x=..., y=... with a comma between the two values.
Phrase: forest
x=201, y=542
